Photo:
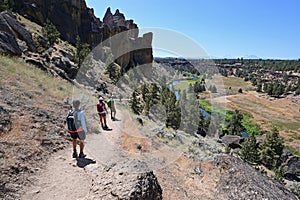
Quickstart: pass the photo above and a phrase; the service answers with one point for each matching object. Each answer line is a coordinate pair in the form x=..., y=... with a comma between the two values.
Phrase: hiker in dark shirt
x=102, y=111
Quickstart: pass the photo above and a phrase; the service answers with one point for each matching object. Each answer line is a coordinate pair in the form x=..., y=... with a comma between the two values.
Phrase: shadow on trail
x=83, y=162
x=107, y=129
x=115, y=120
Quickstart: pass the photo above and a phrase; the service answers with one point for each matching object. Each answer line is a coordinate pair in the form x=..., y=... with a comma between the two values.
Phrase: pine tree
x=235, y=126
x=113, y=69
x=82, y=50
x=135, y=103
x=266, y=88
x=249, y=151
x=190, y=113
x=202, y=126
x=259, y=87
x=50, y=32
x=173, y=111
x=271, y=149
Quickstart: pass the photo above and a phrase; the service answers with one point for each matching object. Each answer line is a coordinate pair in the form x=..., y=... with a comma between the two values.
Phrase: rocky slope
x=31, y=124
x=73, y=18
x=33, y=108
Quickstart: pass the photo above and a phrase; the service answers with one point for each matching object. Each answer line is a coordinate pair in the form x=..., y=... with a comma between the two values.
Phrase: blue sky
x=224, y=28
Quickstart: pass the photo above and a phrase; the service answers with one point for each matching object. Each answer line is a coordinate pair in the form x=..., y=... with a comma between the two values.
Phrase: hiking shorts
x=102, y=114
x=80, y=135
x=112, y=109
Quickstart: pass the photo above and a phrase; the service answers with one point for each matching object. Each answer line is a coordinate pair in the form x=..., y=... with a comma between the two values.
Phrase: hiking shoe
x=105, y=128
x=82, y=155
x=75, y=154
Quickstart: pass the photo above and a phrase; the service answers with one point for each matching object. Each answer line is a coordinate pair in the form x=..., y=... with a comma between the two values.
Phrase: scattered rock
x=292, y=172
x=38, y=63
x=233, y=141
x=197, y=170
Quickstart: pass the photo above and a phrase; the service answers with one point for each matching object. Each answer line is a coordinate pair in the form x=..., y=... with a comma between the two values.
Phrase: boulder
x=293, y=169
x=19, y=31
x=233, y=141
x=126, y=180
x=8, y=44
x=37, y=62
x=3, y=25
x=240, y=180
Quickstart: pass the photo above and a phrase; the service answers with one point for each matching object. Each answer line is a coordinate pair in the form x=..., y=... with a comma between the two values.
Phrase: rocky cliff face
x=73, y=17
x=10, y=31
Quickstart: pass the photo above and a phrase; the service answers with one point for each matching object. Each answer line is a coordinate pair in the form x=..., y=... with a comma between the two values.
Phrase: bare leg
x=81, y=145
x=101, y=120
x=104, y=118
x=114, y=114
x=74, y=144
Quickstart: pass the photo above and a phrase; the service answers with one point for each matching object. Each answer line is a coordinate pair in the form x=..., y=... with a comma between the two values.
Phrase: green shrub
x=50, y=32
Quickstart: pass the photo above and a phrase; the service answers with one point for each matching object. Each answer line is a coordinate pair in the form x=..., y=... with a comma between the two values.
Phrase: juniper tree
x=249, y=151
x=235, y=126
x=50, y=32
x=135, y=103
x=202, y=125
x=113, y=70
x=259, y=87
x=172, y=108
x=82, y=50
x=150, y=94
x=271, y=149
x=189, y=113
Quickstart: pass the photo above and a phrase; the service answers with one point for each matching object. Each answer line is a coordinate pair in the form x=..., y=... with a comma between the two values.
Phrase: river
x=177, y=94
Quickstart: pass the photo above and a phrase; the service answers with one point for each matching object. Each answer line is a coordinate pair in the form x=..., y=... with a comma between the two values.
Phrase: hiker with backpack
x=102, y=111
x=112, y=107
x=76, y=124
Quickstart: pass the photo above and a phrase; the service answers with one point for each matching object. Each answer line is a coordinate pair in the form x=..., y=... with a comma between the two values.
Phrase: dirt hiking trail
x=67, y=178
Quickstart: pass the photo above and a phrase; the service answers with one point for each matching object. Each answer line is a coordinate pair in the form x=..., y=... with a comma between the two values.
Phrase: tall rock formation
x=73, y=17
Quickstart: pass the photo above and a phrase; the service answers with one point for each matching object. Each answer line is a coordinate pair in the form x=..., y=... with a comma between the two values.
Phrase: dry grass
x=29, y=25
x=15, y=70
